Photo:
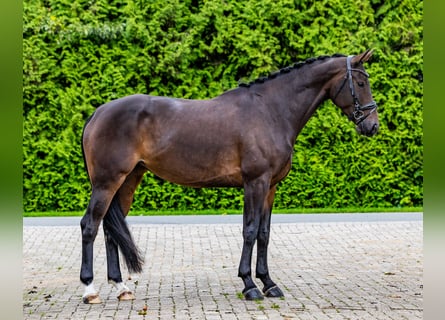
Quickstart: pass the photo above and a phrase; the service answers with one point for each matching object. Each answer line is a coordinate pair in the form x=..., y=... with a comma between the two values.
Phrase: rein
x=358, y=115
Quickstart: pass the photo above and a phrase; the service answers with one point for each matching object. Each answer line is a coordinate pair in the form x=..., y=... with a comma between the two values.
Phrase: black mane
x=288, y=69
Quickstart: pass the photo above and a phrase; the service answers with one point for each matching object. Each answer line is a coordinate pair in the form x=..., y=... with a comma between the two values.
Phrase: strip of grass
x=226, y=212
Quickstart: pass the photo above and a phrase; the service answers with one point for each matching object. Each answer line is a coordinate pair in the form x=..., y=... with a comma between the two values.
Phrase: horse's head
x=352, y=93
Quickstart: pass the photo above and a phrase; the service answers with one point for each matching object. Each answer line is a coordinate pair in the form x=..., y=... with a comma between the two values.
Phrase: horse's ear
x=364, y=57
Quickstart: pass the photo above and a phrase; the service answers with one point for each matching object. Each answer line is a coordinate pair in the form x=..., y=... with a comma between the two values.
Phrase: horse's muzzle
x=368, y=128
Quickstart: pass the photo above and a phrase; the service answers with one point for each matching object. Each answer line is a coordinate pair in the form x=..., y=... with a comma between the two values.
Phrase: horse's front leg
x=262, y=270
x=254, y=198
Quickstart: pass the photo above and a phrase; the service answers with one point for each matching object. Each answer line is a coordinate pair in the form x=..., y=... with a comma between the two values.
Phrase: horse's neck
x=297, y=95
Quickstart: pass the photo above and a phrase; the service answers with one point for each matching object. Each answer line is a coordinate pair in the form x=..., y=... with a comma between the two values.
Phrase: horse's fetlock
x=114, y=279
x=86, y=279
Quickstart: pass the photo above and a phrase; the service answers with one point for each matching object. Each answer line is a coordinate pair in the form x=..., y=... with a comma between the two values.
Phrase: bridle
x=358, y=114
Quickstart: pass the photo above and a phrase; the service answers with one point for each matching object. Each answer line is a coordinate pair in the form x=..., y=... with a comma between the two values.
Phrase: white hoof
x=123, y=292
x=91, y=299
x=126, y=296
x=91, y=296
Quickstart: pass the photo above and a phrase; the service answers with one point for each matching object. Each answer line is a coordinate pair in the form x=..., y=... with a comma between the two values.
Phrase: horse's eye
x=360, y=84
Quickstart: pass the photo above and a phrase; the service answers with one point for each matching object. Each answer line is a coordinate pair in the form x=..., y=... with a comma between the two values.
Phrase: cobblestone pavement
x=342, y=270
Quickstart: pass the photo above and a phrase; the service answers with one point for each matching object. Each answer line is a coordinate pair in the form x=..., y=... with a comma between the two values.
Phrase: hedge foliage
x=79, y=54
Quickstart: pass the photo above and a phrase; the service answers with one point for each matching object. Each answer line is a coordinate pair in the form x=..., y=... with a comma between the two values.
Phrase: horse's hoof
x=273, y=292
x=253, y=294
x=126, y=296
x=91, y=299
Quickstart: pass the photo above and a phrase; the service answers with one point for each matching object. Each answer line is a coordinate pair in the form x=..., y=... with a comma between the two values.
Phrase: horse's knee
x=250, y=235
x=88, y=234
x=263, y=236
x=89, y=231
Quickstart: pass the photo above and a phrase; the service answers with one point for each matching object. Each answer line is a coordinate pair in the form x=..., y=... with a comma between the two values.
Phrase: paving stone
x=327, y=270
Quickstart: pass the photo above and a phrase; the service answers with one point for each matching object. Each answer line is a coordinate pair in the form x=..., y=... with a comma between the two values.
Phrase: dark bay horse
x=242, y=138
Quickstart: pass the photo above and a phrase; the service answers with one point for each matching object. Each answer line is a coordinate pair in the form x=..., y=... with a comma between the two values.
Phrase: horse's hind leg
x=124, y=198
x=100, y=200
x=113, y=265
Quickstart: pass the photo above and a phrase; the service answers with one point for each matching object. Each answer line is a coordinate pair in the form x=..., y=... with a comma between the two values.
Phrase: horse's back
x=162, y=108
x=129, y=112
x=191, y=142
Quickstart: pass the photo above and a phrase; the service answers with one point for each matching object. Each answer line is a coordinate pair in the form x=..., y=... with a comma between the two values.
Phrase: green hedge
x=79, y=54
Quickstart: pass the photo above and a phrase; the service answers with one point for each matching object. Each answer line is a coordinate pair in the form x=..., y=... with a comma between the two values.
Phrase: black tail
x=116, y=226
